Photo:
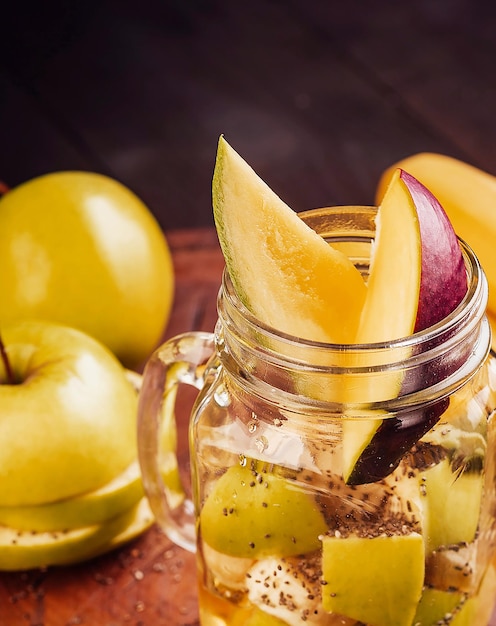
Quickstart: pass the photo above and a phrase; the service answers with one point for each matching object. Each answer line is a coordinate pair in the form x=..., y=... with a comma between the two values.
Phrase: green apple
x=88, y=509
x=252, y=514
x=444, y=607
x=81, y=249
x=20, y=550
x=451, y=504
x=375, y=580
x=68, y=418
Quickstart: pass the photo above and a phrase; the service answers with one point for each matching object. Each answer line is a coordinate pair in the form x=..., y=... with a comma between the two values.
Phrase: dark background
x=318, y=95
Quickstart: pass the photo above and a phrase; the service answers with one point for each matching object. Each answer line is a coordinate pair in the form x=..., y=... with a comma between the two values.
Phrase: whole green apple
x=67, y=414
x=81, y=249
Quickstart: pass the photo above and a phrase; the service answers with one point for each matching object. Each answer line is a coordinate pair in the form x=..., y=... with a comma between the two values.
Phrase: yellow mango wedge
x=417, y=277
x=282, y=271
x=467, y=194
x=417, y=258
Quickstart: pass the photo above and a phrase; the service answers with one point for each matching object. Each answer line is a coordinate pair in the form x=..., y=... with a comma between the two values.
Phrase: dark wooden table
x=149, y=582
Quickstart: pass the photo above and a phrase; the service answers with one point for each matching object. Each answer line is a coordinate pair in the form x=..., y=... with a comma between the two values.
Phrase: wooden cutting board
x=149, y=582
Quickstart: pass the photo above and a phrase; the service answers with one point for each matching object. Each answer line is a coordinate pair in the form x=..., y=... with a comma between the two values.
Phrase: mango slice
x=282, y=271
x=417, y=261
x=291, y=279
x=468, y=195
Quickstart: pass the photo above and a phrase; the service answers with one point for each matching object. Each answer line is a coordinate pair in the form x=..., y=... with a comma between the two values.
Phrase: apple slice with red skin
x=417, y=278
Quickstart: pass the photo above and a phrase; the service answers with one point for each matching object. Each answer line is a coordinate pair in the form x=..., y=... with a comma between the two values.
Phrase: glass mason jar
x=332, y=484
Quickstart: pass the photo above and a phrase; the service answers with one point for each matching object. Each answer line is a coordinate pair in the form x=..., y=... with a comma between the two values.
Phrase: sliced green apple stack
x=70, y=486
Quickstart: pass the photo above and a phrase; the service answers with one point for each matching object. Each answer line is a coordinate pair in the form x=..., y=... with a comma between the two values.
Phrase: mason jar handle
x=181, y=360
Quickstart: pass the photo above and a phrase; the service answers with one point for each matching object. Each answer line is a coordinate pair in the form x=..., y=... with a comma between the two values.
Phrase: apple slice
x=252, y=514
x=21, y=550
x=374, y=580
x=282, y=271
x=441, y=607
x=140, y=519
x=417, y=277
x=225, y=571
x=289, y=590
x=451, y=505
x=88, y=509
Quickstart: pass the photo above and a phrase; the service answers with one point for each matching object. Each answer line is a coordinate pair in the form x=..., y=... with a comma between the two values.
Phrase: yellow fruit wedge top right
x=468, y=195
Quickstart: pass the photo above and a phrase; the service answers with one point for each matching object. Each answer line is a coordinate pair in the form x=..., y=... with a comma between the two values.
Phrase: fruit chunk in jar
x=412, y=519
